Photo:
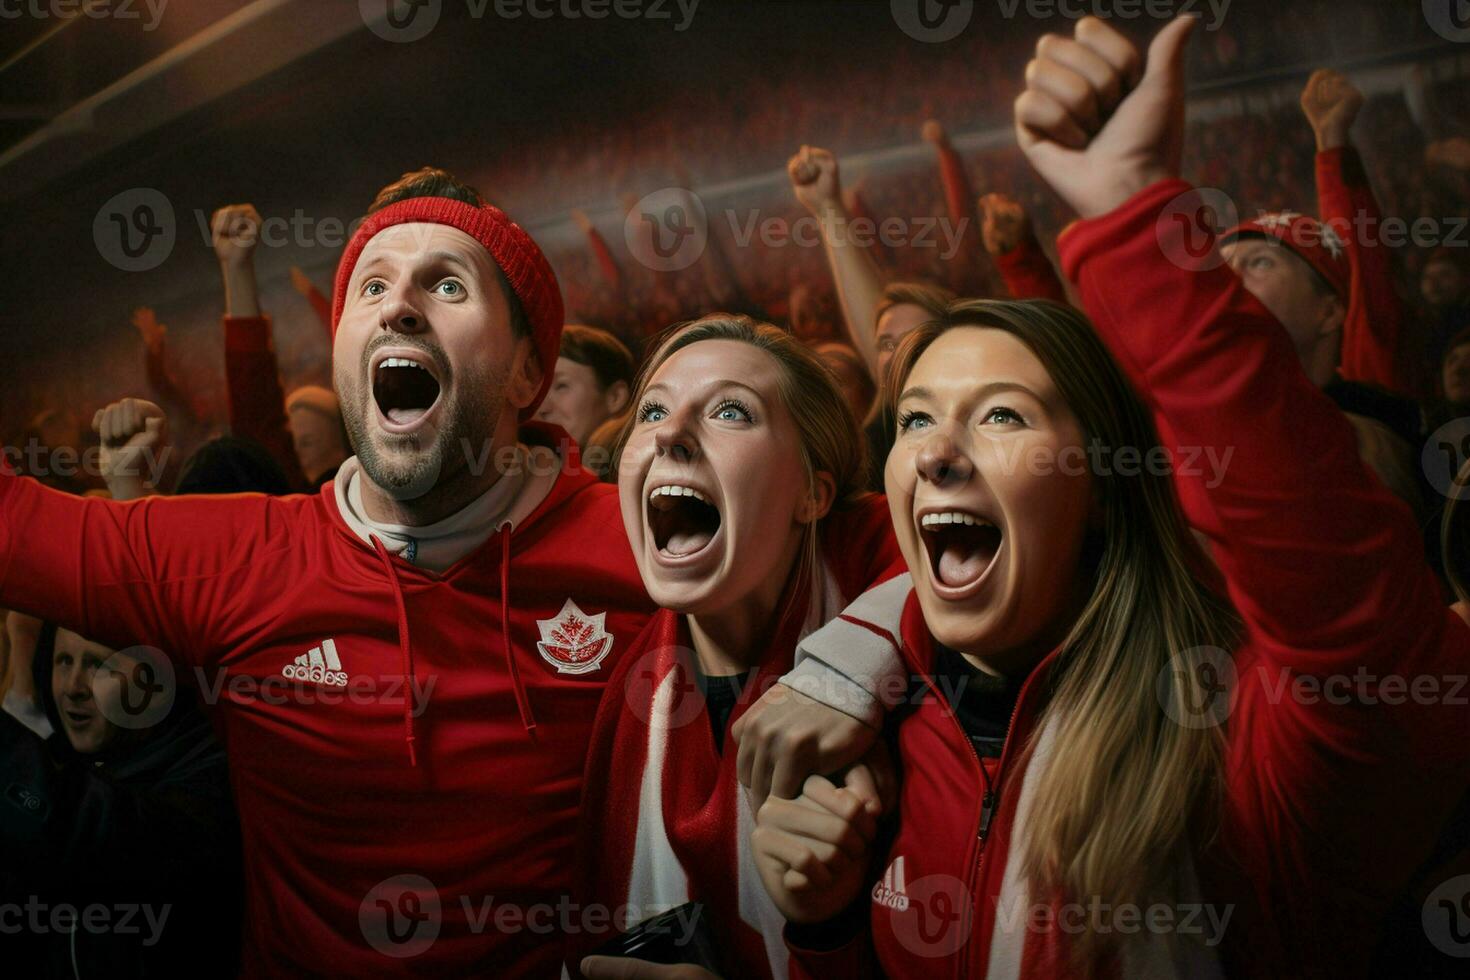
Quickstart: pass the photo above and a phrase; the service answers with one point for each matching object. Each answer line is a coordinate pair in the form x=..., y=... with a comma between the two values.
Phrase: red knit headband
x=520, y=261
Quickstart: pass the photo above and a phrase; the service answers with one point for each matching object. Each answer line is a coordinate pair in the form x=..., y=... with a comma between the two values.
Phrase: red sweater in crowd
x=406, y=748
x=1337, y=781
x=1373, y=333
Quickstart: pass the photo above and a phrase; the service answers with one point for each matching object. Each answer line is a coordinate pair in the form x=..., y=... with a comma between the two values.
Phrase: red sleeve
x=1314, y=547
x=1029, y=274
x=257, y=403
x=159, y=571
x=1344, y=791
x=171, y=395
x=323, y=308
x=1372, y=335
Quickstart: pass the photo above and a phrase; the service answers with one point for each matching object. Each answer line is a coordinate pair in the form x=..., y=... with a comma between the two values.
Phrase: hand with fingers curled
x=813, y=852
x=1099, y=121
x=786, y=736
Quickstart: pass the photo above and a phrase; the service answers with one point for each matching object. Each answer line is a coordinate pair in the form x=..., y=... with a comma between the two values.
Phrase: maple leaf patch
x=574, y=642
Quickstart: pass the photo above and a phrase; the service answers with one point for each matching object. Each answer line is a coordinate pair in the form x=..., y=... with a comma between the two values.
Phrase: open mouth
x=961, y=546
x=682, y=519
x=78, y=718
x=404, y=389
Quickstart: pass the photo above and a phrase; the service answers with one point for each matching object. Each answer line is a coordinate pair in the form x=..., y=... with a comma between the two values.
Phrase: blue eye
x=731, y=410
x=453, y=286
x=908, y=421
x=652, y=412
x=1004, y=416
x=374, y=287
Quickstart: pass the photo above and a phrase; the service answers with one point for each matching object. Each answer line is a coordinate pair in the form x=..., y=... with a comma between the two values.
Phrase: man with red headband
x=407, y=663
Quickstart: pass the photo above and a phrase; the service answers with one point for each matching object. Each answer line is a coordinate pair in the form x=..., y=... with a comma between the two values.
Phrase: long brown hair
x=1127, y=790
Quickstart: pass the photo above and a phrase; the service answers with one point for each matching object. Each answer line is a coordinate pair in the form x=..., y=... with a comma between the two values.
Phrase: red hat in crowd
x=520, y=261
x=1319, y=245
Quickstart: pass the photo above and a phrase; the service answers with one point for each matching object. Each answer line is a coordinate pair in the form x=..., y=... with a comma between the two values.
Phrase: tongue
x=687, y=542
x=960, y=564
x=405, y=416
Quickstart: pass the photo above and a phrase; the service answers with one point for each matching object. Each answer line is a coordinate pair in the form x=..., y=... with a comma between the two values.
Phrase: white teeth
x=952, y=517
x=676, y=491
x=401, y=362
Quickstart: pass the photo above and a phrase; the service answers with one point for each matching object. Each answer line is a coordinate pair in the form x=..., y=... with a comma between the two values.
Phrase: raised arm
x=1312, y=545
x=818, y=187
x=1011, y=242
x=257, y=402
x=1372, y=334
x=162, y=571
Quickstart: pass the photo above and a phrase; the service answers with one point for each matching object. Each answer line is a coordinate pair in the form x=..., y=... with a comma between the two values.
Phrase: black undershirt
x=721, y=694
x=983, y=703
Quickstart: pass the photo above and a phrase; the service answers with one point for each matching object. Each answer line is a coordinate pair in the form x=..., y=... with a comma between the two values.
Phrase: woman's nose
x=940, y=462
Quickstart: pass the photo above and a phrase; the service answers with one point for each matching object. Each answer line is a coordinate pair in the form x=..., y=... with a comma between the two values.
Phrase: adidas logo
x=890, y=891
x=319, y=665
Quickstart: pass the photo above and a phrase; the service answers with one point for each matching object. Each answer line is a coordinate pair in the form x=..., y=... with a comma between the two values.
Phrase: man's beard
x=432, y=458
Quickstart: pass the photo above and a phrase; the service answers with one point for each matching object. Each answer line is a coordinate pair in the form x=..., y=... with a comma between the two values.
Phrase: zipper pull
x=987, y=810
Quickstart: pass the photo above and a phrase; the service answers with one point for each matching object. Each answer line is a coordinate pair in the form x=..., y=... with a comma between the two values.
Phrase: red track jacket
x=1338, y=780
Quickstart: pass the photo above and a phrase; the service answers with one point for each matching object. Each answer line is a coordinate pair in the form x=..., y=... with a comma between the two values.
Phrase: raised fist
x=1331, y=103
x=1099, y=123
x=1005, y=224
x=133, y=433
x=813, y=175
x=236, y=232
